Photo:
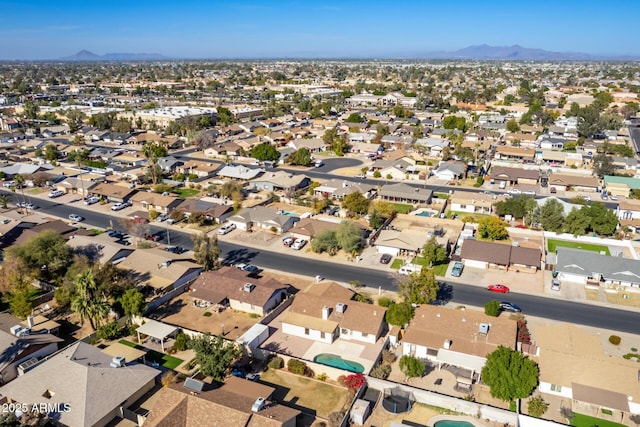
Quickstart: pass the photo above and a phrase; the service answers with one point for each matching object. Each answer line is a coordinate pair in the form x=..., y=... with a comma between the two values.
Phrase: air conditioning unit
x=447, y=344
x=118, y=362
x=483, y=328
x=258, y=405
x=340, y=307
x=248, y=287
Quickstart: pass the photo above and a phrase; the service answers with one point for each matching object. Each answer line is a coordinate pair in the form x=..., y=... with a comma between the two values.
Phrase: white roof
x=156, y=329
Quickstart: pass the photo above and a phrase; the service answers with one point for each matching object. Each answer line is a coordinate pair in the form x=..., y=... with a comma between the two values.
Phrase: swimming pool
x=338, y=362
x=289, y=213
x=453, y=423
x=424, y=213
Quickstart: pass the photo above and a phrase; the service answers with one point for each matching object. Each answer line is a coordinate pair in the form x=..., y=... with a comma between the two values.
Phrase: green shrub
x=385, y=302
x=132, y=329
x=381, y=372
x=388, y=356
x=322, y=377
x=110, y=331
x=207, y=314
x=276, y=363
x=182, y=342
x=492, y=308
x=296, y=366
x=615, y=339
x=634, y=349
x=254, y=315
x=153, y=215
x=628, y=356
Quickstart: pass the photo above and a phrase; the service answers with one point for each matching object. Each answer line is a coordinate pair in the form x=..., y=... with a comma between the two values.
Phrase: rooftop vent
x=258, y=405
x=483, y=328
x=248, y=287
x=447, y=344
x=340, y=307
x=117, y=362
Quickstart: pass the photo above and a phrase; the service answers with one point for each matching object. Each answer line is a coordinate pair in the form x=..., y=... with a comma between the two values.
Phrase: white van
x=408, y=269
x=503, y=185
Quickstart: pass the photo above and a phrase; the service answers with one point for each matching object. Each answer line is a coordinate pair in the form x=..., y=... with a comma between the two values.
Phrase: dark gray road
x=568, y=311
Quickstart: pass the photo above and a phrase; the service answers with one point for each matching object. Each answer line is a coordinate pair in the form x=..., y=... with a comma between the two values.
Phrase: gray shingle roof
x=587, y=263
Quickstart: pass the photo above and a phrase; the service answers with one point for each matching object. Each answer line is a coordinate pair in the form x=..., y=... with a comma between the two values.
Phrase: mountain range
x=476, y=52
x=85, y=55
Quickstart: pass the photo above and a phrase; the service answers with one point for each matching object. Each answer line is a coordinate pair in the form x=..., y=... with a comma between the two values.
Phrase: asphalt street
x=568, y=311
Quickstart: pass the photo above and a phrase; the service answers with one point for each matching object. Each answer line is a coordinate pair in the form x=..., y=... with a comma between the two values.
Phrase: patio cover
x=156, y=330
x=129, y=353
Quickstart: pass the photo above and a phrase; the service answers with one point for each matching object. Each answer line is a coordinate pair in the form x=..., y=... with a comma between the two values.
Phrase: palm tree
x=153, y=151
x=86, y=303
x=4, y=199
x=19, y=180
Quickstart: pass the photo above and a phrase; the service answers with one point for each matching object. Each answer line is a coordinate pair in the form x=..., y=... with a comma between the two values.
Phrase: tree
x=512, y=126
x=51, y=153
x=325, y=242
x=577, y=222
x=602, y=220
x=433, y=252
x=206, y=251
x=399, y=314
x=135, y=227
x=536, y=407
x=420, y=288
x=603, y=165
x=355, y=118
x=4, y=199
x=265, y=152
x=19, y=180
x=20, y=299
x=517, y=207
x=214, y=355
x=300, y=157
x=46, y=255
x=349, y=236
x=225, y=116
x=509, y=374
x=492, y=228
x=492, y=308
x=411, y=366
x=132, y=302
x=552, y=215
x=356, y=203
x=86, y=303
x=154, y=151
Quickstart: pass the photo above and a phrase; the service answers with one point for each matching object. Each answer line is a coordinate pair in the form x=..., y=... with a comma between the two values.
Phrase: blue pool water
x=289, y=213
x=452, y=423
x=425, y=213
x=338, y=362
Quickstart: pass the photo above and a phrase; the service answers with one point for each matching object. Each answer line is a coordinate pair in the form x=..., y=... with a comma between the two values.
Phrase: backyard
x=164, y=360
x=402, y=208
x=302, y=392
x=186, y=192
x=553, y=244
x=580, y=420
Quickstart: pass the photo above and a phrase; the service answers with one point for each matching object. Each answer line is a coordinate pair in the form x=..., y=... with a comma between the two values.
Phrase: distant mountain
x=85, y=55
x=516, y=53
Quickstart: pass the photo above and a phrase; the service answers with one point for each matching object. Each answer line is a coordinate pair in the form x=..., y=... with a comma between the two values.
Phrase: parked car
x=175, y=249
x=123, y=242
x=247, y=267
x=511, y=307
x=120, y=206
x=529, y=193
x=162, y=217
x=288, y=241
x=456, y=271
x=553, y=190
x=515, y=192
x=298, y=244
x=26, y=205
x=502, y=289
x=318, y=163
x=91, y=200
x=587, y=198
x=613, y=197
x=153, y=237
x=115, y=234
x=226, y=228
x=555, y=285
x=56, y=193
x=76, y=218
x=604, y=196
x=385, y=259
x=360, y=176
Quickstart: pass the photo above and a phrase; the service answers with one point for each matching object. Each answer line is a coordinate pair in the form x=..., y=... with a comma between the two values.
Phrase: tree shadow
x=169, y=308
x=238, y=256
x=445, y=294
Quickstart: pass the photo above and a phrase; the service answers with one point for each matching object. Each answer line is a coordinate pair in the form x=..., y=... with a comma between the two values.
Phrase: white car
x=91, y=200
x=162, y=217
x=298, y=244
x=515, y=192
x=76, y=218
x=56, y=193
x=120, y=206
x=529, y=193
x=226, y=228
x=613, y=197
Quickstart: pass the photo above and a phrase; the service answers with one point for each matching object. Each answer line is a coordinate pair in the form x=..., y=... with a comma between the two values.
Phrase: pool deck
x=474, y=421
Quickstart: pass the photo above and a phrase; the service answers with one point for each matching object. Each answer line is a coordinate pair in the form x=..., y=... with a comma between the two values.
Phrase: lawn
x=35, y=191
x=438, y=270
x=165, y=360
x=553, y=244
x=402, y=208
x=444, y=196
x=462, y=215
x=397, y=263
x=581, y=420
x=304, y=392
x=186, y=192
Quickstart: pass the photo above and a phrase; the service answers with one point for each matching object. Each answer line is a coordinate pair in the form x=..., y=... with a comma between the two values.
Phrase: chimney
x=325, y=312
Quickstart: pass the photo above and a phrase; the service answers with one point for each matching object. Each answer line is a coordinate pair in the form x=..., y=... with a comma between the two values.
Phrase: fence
x=166, y=297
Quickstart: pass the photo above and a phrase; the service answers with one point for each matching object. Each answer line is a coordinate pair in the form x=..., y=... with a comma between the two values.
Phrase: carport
x=157, y=330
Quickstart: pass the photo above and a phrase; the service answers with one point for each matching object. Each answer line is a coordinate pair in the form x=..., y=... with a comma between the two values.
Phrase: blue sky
x=46, y=29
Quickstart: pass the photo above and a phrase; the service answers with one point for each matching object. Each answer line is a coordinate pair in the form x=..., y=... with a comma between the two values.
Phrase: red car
x=501, y=289
x=153, y=237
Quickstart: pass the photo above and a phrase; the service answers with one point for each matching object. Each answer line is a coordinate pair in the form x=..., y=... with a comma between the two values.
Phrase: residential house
x=100, y=248
x=365, y=148
x=433, y=146
x=199, y=168
x=450, y=170
x=338, y=189
x=459, y=338
x=20, y=352
x=395, y=169
x=86, y=386
x=212, y=211
x=80, y=185
x=521, y=154
x=129, y=159
x=562, y=181
x=168, y=164
x=231, y=287
x=280, y=181
x=308, y=228
x=550, y=143
x=575, y=367
x=242, y=173
x=263, y=218
x=581, y=266
x=403, y=193
x=24, y=169
x=154, y=201
x=513, y=176
x=621, y=185
x=327, y=311
x=480, y=254
x=464, y=201
x=223, y=149
x=625, y=165
x=315, y=145
x=160, y=269
x=60, y=227
x=521, y=139
x=400, y=242
x=236, y=403
x=116, y=193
